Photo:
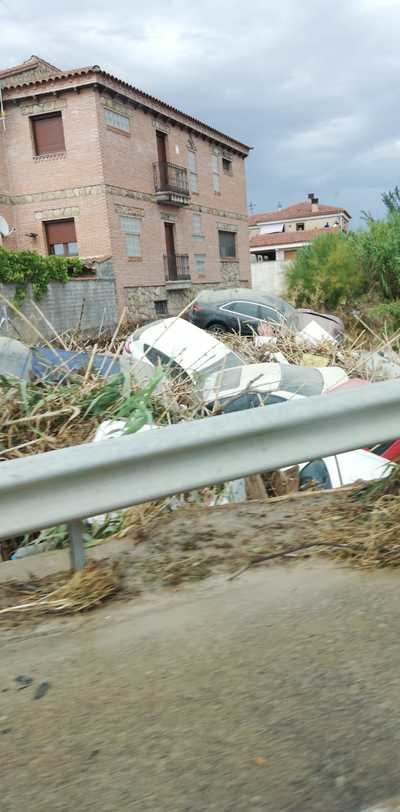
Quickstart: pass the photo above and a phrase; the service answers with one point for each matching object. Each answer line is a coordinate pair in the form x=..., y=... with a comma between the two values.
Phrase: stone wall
x=87, y=304
x=141, y=301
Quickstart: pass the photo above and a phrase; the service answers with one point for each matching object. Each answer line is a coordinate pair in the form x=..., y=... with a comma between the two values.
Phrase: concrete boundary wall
x=86, y=304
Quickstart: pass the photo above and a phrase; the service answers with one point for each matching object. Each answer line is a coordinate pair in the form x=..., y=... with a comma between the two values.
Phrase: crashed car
x=343, y=469
x=251, y=384
x=189, y=353
x=246, y=310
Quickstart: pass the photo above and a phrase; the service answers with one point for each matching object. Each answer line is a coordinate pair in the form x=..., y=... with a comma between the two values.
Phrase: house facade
x=91, y=166
x=275, y=238
x=278, y=235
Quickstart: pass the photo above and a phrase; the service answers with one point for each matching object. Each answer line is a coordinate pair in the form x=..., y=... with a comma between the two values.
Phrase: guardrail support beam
x=76, y=547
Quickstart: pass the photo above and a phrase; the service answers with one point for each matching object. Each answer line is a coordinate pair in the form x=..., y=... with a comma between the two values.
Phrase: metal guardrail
x=74, y=483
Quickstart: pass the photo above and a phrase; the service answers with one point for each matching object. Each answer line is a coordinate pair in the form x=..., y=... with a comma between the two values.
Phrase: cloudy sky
x=312, y=86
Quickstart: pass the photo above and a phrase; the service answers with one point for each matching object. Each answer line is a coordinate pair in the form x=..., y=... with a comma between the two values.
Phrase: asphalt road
x=279, y=691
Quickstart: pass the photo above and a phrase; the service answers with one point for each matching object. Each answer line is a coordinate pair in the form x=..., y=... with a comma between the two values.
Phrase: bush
x=23, y=268
x=386, y=315
x=326, y=272
x=336, y=269
x=379, y=256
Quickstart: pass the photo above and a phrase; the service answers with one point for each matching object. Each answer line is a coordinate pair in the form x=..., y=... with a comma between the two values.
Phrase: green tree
x=326, y=272
x=391, y=199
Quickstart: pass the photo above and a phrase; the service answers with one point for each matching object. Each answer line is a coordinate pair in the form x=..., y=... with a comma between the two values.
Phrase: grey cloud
x=312, y=86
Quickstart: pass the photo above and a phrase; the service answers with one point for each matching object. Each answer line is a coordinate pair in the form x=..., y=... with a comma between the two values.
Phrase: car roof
x=182, y=341
x=248, y=294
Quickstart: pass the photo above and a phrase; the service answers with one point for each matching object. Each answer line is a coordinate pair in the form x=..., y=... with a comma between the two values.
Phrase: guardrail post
x=76, y=547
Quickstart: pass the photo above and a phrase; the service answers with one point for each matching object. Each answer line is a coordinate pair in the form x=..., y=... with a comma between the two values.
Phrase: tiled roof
x=295, y=212
x=98, y=72
x=287, y=237
x=30, y=64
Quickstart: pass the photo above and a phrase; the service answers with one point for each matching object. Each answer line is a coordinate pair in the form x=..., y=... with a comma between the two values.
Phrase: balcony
x=176, y=270
x=171, y=184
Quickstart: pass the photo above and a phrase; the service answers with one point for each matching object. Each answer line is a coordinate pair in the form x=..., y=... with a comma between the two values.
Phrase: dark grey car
x=238, y=310
x=241, y=310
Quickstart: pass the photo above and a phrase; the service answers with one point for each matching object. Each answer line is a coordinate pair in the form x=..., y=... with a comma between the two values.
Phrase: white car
x=344, y=469
x=186, y=349
x=261, y=379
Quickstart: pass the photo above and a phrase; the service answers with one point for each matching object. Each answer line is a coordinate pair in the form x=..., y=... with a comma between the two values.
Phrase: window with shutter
x=227, y=244
x=116, y=120
x=61, y=238
x=192, y=167
x=131, y=227
x=216, y=173
x=197, y=228
x=48, y=134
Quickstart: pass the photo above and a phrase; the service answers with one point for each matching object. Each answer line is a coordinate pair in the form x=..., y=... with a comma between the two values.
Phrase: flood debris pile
x=172, y=371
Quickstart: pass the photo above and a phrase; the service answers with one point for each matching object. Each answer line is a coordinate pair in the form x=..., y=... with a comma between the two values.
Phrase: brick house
x=91, y=165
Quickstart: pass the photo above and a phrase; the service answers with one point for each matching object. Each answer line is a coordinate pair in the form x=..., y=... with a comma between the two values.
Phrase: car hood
x=269, y=377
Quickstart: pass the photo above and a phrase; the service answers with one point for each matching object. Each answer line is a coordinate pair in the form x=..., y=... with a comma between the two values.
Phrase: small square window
x=299, y=226
x=161, y=307
x=227, y=166
x=116, y=120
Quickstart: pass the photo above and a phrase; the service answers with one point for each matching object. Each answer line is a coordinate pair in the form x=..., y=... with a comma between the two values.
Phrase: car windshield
x=227, y=362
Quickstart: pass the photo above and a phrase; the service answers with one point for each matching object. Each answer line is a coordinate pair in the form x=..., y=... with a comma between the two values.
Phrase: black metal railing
x=176, y=267
x=170, y=178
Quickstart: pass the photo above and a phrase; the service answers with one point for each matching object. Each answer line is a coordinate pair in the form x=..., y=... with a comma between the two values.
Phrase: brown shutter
x=60, y=231
x=48, y=133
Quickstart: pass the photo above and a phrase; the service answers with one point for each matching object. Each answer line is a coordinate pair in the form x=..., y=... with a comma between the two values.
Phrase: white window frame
x=227, y=307
x=216, y=172
x=115, y=120
x=193, y=171
x=197, y=230
x=132, y=229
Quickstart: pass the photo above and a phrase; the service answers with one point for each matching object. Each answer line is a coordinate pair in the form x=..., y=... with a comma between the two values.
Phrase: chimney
x=315, y=205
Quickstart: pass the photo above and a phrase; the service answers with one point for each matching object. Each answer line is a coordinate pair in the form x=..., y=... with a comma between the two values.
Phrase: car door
x=270, y=315
x=243, y=316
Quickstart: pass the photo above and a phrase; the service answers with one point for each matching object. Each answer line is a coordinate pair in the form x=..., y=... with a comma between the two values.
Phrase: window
x=216, y=175
x=61, y=238
x=200, y=260
x=299, y=226
x=161, y=307
x=116, y=120
x=227, y=166
x=227, y=244
x=158, y=358
x=131, y=227
x=315, y=474
x=197, y=227
x=48, y=134
x=192, y=167
x=243, y=308
x=269, y=314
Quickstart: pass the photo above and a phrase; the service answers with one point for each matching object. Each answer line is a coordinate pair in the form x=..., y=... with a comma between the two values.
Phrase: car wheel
x=217, y=328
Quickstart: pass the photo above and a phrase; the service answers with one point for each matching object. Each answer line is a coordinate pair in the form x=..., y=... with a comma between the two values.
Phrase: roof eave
x=96, y=74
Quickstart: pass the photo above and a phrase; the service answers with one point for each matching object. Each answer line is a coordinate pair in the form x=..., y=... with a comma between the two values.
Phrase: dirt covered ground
x=182, y=546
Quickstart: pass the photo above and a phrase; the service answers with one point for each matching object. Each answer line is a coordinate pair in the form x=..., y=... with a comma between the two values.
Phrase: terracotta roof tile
x=295, y=212
x=95, y=69
x=287, y=237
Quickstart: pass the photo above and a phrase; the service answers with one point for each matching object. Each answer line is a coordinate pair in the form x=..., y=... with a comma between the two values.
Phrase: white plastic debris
x=15, y=359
